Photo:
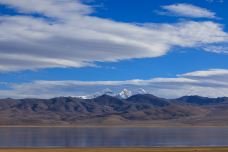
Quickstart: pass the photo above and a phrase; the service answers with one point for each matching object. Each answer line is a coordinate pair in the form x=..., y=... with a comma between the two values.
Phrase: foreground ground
x=220, y=149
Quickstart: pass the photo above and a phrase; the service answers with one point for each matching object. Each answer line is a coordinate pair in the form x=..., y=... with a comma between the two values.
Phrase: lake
x=113, y=137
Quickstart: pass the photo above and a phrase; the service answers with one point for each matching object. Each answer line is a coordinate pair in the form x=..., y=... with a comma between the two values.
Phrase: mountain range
x=106, y=109
x=123, y=94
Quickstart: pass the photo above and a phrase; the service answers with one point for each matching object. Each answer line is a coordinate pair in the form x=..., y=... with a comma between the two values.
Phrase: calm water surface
x=112, y=137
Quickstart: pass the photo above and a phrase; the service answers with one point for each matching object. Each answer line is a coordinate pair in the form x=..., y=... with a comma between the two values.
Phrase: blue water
x=113, y=137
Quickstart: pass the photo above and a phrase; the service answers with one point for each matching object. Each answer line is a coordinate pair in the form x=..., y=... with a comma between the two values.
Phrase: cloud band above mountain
x=211, y=83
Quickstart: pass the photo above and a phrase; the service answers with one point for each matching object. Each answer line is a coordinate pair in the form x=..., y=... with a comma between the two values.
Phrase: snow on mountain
x=123, y=94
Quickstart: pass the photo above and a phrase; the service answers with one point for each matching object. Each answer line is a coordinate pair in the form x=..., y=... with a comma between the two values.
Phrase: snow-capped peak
x=124, y=94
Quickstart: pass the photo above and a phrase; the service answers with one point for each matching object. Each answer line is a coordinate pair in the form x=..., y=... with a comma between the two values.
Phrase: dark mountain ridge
x=109, y=109
x=198, y=100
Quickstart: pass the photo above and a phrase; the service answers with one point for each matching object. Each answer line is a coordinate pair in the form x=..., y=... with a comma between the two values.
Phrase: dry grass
x=221, y=149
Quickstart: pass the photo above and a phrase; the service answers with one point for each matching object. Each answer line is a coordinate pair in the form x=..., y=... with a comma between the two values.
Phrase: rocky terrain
x=108, y=110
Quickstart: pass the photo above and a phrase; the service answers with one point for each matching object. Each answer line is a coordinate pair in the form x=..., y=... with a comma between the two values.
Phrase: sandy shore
x=214, y=149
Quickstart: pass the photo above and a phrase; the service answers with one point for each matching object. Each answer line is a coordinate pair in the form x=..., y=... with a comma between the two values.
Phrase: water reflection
x=112, y=137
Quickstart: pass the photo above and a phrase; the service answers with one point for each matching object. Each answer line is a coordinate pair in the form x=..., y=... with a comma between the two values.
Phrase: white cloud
x=70, y=37
x=50, y=8
x=208, y=73
x=211, y=83
x=189, y=10
x=217, y=49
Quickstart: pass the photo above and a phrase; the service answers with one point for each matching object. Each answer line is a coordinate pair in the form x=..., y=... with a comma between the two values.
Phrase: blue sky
x=167, y=45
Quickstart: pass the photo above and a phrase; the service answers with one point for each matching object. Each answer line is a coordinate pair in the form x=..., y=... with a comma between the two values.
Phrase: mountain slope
x=110, y=110
x=198, y=100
